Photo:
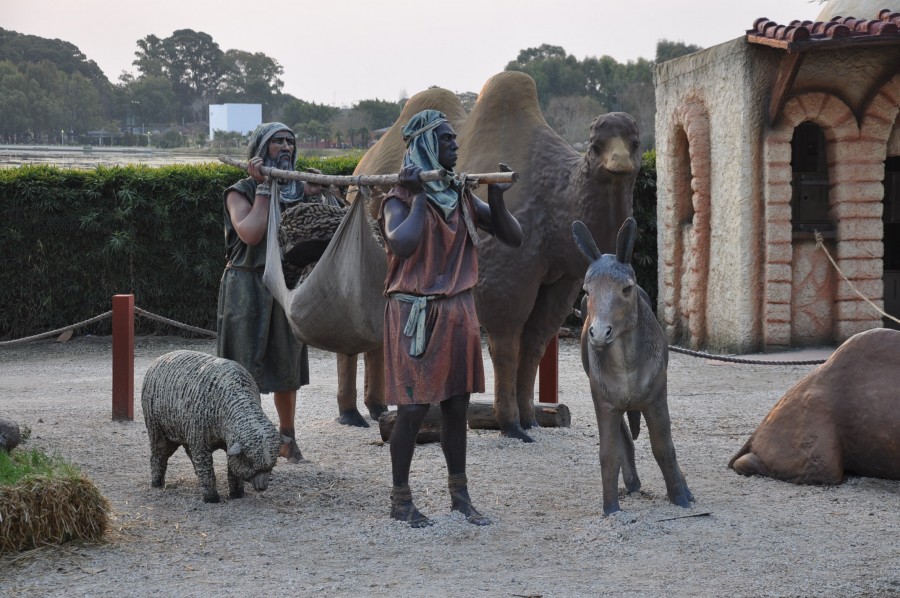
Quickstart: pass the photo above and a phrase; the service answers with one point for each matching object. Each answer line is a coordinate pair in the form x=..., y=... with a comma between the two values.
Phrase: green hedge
x=76, y=237
x=645, y=250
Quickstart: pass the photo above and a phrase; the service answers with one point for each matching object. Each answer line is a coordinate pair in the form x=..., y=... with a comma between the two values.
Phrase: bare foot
x=291, y=452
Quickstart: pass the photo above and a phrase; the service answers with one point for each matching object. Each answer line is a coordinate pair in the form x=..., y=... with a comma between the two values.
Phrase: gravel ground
x=322, y=528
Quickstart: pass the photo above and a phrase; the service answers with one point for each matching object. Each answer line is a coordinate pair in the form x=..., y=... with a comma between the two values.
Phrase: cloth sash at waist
x=415, y=323
x=231, y=266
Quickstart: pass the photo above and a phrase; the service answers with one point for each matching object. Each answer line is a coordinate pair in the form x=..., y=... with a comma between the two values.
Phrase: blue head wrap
x=422, y=151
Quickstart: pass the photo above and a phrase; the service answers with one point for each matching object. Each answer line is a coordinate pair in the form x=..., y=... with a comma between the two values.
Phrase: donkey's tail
x=634, y=423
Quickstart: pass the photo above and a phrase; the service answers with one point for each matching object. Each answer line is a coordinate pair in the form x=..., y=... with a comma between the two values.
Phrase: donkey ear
x=625, y=240
x=585, y=241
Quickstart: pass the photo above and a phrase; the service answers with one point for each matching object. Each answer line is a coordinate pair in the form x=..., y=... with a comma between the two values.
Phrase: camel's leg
x=346, y=392
x=553, y=303
x=504, y=349
x=659, y=427
x=503, y=308
x=374, y=383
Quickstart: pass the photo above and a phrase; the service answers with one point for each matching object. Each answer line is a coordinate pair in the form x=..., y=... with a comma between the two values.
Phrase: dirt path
x=322, y=528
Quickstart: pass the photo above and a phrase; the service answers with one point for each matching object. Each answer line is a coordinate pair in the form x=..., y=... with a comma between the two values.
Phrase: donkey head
x=610, y=308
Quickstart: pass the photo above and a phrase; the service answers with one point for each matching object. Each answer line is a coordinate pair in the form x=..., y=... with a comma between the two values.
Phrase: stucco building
x=761, y=141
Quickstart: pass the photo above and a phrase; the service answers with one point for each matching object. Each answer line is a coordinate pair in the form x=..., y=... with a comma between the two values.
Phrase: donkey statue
x=625, y=356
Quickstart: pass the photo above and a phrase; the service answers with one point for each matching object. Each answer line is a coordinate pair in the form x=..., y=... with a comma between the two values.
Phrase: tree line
x=50, y=92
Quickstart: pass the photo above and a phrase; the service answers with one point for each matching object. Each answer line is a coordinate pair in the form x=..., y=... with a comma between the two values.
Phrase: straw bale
x=44, y=510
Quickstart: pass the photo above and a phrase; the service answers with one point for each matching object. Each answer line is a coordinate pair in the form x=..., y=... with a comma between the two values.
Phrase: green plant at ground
x=21, y=465
x=46, y=500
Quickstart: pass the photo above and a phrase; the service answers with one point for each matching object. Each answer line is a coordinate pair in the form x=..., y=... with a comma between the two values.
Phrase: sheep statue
x=204, y=403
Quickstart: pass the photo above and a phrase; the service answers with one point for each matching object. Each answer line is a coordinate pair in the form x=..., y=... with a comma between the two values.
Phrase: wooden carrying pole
x=370, y=180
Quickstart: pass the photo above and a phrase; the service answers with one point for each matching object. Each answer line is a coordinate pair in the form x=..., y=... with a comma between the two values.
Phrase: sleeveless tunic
x=252, y=327
x=444, y=268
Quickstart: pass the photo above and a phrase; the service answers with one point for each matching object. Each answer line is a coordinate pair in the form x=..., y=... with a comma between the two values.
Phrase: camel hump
x=507, y=98
x=386, y=156
x=506, y=125
x=435, y=98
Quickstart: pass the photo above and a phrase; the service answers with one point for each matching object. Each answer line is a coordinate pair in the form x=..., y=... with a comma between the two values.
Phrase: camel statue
x=524, y=295
x=840, y=419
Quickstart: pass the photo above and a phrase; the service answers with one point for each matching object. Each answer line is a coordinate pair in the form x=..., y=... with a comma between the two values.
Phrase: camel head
x=614, y=147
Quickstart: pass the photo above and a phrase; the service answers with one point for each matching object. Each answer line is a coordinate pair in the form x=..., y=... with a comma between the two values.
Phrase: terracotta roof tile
x=799, y=36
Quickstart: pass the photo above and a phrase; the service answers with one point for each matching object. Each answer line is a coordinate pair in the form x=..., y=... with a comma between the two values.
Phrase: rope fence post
x=548, y=373
x=123, y=357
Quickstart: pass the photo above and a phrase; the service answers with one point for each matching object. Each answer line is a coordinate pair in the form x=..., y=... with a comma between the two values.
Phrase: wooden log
x=480, y=417
x=548, y=415
x=370, y=180
x=429, y=432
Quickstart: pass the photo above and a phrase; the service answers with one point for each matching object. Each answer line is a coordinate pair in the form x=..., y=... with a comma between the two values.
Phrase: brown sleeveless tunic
x=444, y=267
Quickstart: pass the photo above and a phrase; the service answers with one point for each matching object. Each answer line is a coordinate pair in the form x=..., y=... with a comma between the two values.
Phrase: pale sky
x=339, y=52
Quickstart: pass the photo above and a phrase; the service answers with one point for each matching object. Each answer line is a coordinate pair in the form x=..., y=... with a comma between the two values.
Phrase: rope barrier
x=212, y=333
x=744, y=361
x=56, y=332
x=820, y=244
x=153, y=316
x=137, y=310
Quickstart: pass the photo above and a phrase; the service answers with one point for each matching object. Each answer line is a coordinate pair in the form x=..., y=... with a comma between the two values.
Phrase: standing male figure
x=432, y=345
x=252, y=327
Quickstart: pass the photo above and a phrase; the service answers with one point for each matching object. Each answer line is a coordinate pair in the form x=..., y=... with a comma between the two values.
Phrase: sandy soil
x=322, y=528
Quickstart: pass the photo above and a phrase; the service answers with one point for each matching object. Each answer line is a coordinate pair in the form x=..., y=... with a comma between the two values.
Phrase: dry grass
x=53, y=506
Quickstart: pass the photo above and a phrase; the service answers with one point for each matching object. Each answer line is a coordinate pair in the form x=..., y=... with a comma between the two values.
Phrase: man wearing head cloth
x=252, y=327
x=432, y=341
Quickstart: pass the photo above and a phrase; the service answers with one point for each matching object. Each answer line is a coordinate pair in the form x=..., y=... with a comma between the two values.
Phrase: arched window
x=809, y=199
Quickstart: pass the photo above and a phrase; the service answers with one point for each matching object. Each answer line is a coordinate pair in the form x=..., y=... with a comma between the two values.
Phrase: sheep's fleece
x=204, y=403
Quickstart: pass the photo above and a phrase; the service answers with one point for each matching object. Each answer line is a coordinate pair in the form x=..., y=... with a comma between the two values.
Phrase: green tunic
x=252, y=327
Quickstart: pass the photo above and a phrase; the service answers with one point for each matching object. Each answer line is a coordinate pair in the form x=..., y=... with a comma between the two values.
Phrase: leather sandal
x=403, y=509
x=460, y=501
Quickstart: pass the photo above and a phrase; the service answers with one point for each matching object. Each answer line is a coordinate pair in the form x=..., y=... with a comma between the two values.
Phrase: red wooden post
x=123, y=357
x=548, y=373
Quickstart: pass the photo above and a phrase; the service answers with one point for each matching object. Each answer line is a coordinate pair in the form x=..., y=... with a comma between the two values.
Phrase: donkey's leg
x=608, y=430
x=659, y=427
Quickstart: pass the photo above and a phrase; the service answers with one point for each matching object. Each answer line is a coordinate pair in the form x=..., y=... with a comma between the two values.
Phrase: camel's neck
x=602, y=205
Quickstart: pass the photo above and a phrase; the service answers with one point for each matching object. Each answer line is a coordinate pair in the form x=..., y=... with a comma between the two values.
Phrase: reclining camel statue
x=524, y=296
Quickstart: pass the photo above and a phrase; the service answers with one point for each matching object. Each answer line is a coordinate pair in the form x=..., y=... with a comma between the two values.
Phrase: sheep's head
x=252, y=460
